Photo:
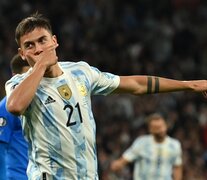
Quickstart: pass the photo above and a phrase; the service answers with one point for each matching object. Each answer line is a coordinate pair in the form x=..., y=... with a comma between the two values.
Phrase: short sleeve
x=178, y=158
x=15, y=81
x=9, y=86
x=132, y=153
x=102, y=83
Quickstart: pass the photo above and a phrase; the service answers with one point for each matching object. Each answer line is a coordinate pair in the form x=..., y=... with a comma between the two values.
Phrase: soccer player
x=156, y=156
x=13, y=147
x=56, y=107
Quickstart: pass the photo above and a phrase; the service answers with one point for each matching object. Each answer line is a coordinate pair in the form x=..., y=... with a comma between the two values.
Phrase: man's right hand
x=46, y=58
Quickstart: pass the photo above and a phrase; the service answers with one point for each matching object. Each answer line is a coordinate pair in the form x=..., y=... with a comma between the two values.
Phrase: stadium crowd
x=163, y=38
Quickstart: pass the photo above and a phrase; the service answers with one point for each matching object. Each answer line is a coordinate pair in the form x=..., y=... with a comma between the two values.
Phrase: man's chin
x=160, y=137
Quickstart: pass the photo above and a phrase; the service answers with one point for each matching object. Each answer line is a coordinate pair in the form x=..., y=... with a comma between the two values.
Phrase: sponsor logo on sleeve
x=2, y=121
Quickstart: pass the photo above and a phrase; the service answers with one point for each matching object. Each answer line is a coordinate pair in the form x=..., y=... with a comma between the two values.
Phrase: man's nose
x=38, y=49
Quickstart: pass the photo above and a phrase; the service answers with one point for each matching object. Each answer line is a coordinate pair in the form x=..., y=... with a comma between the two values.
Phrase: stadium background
x=164, y=38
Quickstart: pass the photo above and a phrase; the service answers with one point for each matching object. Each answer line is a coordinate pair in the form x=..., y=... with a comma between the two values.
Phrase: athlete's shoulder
x=72, y=64
x=173, y=142
x=77, y=68
x=142, y=139
x=18, y=77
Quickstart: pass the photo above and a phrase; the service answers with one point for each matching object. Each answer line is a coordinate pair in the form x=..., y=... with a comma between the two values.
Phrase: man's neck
x=53, y=71
x=159, y=140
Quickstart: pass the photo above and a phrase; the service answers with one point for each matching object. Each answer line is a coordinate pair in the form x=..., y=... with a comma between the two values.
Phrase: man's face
x=35, y=42
x=158, y=129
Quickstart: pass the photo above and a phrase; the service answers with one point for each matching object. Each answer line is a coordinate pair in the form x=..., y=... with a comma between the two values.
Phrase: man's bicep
x=132, y=84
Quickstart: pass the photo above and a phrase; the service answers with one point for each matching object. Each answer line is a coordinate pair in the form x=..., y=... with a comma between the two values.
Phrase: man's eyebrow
x=42, y=37
x=27, y=43
x=39, y=38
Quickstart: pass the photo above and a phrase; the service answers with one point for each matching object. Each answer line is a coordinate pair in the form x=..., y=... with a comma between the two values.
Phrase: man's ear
x=54, y=39
x=21, y=54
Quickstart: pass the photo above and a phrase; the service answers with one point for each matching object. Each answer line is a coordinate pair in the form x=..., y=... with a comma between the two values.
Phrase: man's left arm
x=138, y=85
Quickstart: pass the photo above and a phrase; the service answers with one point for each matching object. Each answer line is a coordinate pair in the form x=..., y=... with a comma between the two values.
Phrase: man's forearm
x=177, y=173
x=23, y=94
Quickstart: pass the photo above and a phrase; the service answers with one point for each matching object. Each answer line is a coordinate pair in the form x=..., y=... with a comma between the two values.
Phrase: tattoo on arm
x=149, y=85
x=157, y=85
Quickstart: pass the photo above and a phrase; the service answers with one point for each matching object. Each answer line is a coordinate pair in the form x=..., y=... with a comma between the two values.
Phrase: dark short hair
x=154, y=116
x=28, y=24
x=17, y=64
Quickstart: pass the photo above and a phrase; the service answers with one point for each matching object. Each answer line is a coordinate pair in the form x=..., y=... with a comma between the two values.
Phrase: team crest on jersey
x=82, y=90
x=2, y=121
x=65, y=91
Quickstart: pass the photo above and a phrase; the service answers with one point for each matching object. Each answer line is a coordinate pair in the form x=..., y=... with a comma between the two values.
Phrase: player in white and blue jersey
x=56, y=108
x=156, y=156
x=65, y=132
x=13, y=147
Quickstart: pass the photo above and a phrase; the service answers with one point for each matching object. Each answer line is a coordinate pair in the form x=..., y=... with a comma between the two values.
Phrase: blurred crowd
x=164, y=38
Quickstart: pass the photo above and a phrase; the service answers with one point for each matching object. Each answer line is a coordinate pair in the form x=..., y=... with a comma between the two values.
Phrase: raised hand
x=46, y=57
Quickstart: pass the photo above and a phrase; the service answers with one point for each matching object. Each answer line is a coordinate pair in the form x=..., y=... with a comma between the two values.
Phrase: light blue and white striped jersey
x=154, y=161
x=59, y=122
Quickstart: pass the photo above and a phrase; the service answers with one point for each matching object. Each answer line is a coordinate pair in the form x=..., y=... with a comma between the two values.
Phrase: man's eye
x=28, y=46
x=43, y=40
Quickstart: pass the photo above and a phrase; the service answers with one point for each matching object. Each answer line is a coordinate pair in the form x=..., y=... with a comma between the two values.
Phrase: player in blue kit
x=13, y=147
x=56, y=108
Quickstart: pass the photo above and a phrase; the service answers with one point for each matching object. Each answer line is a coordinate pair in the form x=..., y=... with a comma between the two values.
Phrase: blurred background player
x=156, y=156
x=13, y=147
